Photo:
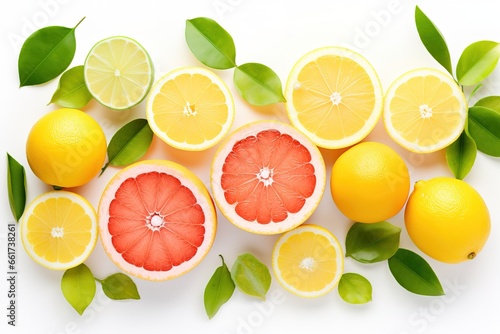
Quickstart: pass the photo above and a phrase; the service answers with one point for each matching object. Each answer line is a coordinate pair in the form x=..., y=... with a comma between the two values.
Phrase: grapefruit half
x=267, y=177
x=157, y=220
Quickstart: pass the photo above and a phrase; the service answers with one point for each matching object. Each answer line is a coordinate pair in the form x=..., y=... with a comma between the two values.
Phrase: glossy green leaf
x=129, y=143
x=491, y=102
x=45, y=54
x=369, y=243
x=433, y=40
x=16, y=186
x=219, y=290
x=251, y=276
x=461, y=155
x=258, y=84
x=210, y=43
x=477, y=61
x=484, y=128
x=355, y=289
x=72, y=91
x=78, y=287
x=119, y=287
x=414, y=274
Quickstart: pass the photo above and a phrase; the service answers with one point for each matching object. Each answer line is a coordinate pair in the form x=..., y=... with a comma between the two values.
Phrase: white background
x=275, y=33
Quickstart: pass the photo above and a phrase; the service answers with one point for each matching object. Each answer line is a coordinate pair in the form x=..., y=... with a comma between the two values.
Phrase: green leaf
x=369, y=243
x=355, y=289
x=251, y=276
x=119, y=286
x=433, y=40
x=477, y=61
x=210, y=43
x=219, y=290
x=78, y=287
x=484, y=128
x=414, y=274
x=129, y=143
x=72, y=91
x=16, y=185
x=491, y=102
x=45, y=54
x=461, y=155
x=258, y=84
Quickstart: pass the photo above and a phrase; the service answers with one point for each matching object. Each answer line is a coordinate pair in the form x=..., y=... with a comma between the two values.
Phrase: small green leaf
x=414, y=274
x=45, y=54
x=72, y=91
x=484, y=128
x=355, y=289
x=16, y=185
x=210, y=43
x=129, y=143
x=78, y=287
x=258, y=84
x=491, y=102
x=477, y=61
x=119, y=286
x=461, y=155
x=433, y=40
x=251, y=276
x=369, y=243
x=219, y=290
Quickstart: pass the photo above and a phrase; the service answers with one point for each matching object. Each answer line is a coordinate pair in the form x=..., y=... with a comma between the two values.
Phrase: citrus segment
x=59, y=229
x=267, y=177
x=157, y=220
x=447, y=219
x=308, y=261
x=190, y=108
x=118, y=72
x=424, y=110
x=333, y=96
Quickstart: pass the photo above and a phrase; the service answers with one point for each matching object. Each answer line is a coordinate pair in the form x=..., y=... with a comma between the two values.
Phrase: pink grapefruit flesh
x=267, y=177
x=157, y=220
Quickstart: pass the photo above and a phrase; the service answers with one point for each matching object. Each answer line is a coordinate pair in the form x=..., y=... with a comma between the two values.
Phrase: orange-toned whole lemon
x=447, y=219
x=66, y=148
x=370, y=182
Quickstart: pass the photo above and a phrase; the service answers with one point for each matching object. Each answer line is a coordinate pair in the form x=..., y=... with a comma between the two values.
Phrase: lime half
x=118, y=72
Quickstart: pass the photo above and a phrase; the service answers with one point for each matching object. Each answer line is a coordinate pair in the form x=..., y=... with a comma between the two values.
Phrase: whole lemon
x=447, y=219
x=66, y=148
x=370, y=182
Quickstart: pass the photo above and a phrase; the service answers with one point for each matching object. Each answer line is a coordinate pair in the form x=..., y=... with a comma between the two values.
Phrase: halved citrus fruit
x=118, y=72
x=190, y=108
x=267, y=177
x=334, y=96
x=59, y=229
x=308, y=261
x=156, y=220
x=424, y=110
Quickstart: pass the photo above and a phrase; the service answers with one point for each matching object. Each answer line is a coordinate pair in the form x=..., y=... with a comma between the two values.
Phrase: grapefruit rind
x=76, y=198
x=188, y=179
x=292, y=82
x=294, y=219
x=323, y=232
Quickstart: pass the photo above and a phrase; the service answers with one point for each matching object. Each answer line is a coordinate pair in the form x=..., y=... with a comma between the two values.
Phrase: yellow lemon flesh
x=447, y=219
x=370, y=182
x=59, y=229
x=308, y=261
x=66, y=148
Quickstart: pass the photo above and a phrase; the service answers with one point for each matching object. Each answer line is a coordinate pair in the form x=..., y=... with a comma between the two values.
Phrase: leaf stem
x=79, y=22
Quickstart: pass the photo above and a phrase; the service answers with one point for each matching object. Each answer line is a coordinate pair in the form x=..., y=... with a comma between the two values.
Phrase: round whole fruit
x=447, y=219
x=370, y=182
x=66, y=148
x=156, y=220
